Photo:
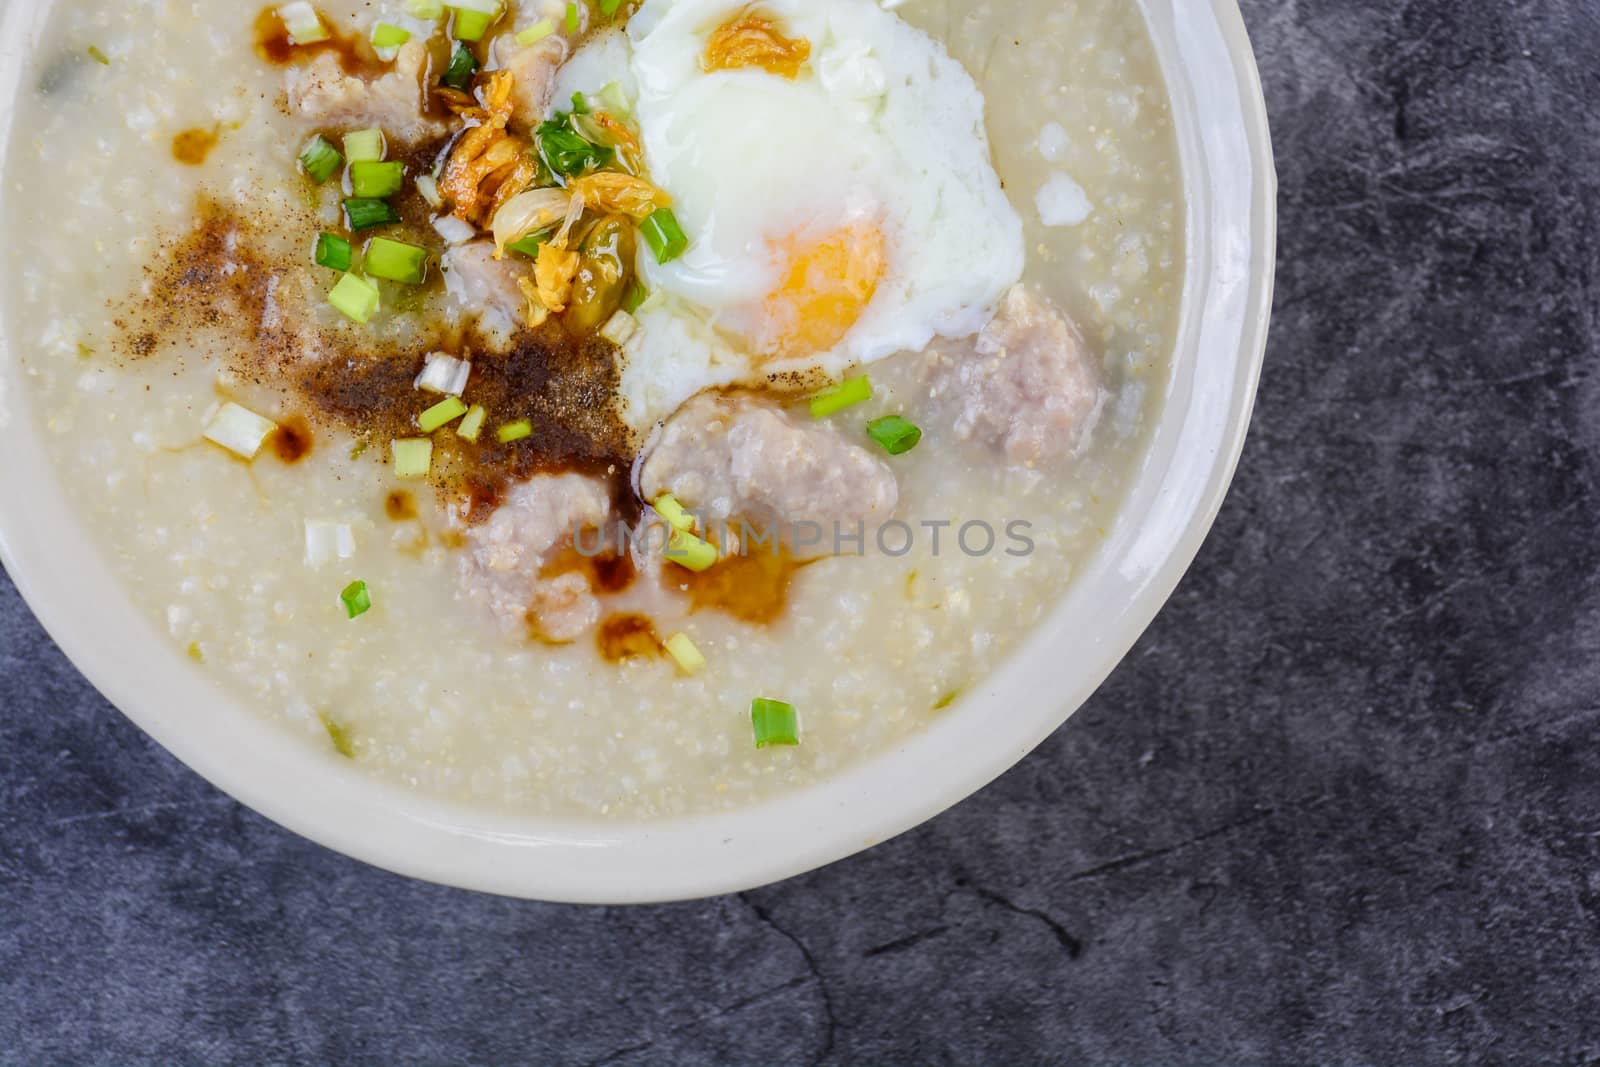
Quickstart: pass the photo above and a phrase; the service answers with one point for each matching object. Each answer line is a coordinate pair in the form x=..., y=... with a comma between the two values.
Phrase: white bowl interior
x=1231, y=193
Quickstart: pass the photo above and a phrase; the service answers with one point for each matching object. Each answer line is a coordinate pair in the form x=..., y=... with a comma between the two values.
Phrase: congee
x=603, y=408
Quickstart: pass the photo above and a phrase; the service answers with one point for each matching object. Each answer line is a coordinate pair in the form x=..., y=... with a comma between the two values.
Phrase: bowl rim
x=56, y=569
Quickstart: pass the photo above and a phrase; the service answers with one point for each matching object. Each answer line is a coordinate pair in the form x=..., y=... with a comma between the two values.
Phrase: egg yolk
x=827, y=284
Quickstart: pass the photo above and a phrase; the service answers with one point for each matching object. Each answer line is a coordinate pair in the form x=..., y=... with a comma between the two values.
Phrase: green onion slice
x=619, y=328
x=687, y=550
x=663, y=234
x=685, y=654
x=303, y=23
x=572, y=17
x=463, y=65
x=356, y=297
x=320, y=160
x=529, y=245
x=895, y=434
x=615, y=100
x=443, y=413
x=239, y=430
x=376, y=180
x=413, y=456
x=676, y=515
x=472, y=25
x=567, y=152
x=365, y=146
x=364, y=213
x=333, y=251
x=635, y=296
x=536, y=33
x=425, y=9
x=428, y=186
x=470, y=427
x=837, y=398
x=443, y=373
x=775, y=722
x=514, y=431
x=396, y=261
x=385, y=36
x=356, y=599
x=608, y=8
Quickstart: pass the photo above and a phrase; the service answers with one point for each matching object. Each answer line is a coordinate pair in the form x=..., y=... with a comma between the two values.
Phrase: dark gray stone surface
x=1341, y=805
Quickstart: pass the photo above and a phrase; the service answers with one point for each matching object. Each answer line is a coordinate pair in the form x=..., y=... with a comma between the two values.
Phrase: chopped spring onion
x=895, y=434
x=608, y=8
x=567, y=152
x=327, y=541
x=396, y=261
x=99, y=56
x=676, y=515
x=536, y=33
x=614, y=98
x=471, y=25
x=239, y=430
x=339, y=735
x=514, y=431
x=470, y=427
x=356, y=297
x=838, y=397
x=684, y=654
x=529, y=245
x=687, y=550
x=356, y=599
x=572, y=17
x=320, y=160
x=580, y=106
x=363, y=213
x=443, y=413
x=619, y=327
x=303, y=23
x=663, y=234
x=442, y=373
x=473, y=17
x=463, y=65
x=333, y=251
x=371, y=180
x=365, y=146
x=428, y=186
x=775, y=722
x=454, y=230
x=385, y=36
x=413, y=456
x=425, y=9
x=634, y=297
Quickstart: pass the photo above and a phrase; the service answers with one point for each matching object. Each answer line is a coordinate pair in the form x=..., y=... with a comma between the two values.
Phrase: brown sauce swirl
x=400, y=506
x=624, y=636
x=273, y=44
x=753, y=588
x=192, y=146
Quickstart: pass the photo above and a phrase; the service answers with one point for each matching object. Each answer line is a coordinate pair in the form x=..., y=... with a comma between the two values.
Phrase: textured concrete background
x=1341, y=805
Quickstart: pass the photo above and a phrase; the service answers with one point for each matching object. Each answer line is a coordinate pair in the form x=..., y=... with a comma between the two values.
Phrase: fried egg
x=829, y=164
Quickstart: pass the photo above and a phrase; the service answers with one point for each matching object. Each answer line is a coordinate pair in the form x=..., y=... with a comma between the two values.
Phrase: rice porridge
x=374, y=340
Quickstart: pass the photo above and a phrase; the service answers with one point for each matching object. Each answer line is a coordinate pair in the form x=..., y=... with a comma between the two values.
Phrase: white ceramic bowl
x=1222, y=126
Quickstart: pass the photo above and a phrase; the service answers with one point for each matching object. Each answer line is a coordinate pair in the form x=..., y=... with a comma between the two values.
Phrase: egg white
x=882, y=125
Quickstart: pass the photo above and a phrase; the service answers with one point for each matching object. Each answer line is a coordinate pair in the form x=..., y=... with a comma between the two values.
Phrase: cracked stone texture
x=1341, y=804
